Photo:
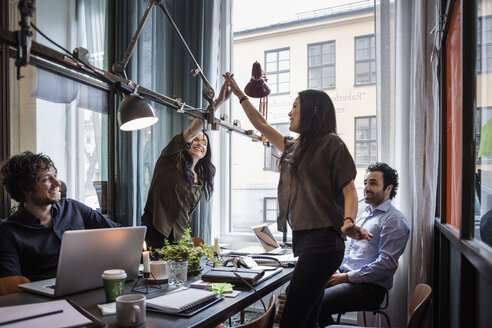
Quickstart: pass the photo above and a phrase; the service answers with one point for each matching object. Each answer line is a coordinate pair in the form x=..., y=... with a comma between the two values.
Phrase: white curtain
x=408, y=104
x=416, y=145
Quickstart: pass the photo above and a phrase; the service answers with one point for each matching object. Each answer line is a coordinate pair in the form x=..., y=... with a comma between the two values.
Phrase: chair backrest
x=197, y=241
x=419, y=305
x=8, y=285
x=266, y=319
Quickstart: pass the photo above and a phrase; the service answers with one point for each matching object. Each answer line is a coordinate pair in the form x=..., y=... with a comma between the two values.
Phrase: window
x=61, y=113
x=270, y=209
x=321, y=65
x=484, y=44
x=272, y=154
x=365, y=140
x=365, y=60
x=278, y=70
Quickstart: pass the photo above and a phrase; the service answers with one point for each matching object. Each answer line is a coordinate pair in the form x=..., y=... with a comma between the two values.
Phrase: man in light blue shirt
x=369, y=265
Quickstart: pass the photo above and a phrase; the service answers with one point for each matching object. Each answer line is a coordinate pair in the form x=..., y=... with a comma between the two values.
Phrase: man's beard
x=44, y=201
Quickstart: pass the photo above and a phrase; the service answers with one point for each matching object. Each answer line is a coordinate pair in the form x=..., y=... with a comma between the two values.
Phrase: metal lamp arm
x=208, y=92
x=120, y=67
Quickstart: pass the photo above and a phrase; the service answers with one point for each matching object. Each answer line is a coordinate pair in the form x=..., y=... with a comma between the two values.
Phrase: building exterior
x=331, y=50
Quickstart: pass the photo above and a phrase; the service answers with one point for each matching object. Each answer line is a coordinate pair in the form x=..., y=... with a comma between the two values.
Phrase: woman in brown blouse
x=316, y=194
x=183, y=172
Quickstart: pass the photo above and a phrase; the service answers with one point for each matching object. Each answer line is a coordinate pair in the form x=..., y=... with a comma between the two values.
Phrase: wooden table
x=209, y=317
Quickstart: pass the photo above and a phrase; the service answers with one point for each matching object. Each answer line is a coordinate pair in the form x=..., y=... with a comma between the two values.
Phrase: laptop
x=268, y=243
x=86, y=254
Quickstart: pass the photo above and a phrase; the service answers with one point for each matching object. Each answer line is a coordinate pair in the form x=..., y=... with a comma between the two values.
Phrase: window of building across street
x=321, y=64
x=278, y=70
x=365, y=60
x=365, y=140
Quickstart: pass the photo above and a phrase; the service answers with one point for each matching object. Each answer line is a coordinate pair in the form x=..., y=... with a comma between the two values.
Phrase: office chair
x=419, y=305
x=8, y=285
x=197, y=241
x=381, y=310
x=266, y=319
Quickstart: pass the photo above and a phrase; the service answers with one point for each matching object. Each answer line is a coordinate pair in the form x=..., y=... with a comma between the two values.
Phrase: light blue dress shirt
x=376, y=260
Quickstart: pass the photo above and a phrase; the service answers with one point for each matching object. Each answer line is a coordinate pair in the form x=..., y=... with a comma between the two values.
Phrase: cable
x=72, y=56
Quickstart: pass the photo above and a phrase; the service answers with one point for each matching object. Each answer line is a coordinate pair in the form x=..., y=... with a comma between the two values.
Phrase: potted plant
x=184, y=250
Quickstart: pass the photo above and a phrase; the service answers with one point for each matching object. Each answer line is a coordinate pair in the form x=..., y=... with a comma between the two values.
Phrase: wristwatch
x=349, y=218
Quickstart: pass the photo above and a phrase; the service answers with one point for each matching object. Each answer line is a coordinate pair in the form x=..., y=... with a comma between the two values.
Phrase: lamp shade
x=135, y=113
x=257, y=87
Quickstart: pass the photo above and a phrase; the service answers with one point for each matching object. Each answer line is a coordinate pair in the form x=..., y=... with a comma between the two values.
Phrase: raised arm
x=197, y=124
x=258, y=121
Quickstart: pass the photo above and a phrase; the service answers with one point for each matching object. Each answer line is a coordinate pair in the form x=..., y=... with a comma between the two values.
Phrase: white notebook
x=181, y=300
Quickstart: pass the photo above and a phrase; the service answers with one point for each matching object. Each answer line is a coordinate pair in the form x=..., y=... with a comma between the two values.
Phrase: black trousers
x=306, y=289
x=349, y=297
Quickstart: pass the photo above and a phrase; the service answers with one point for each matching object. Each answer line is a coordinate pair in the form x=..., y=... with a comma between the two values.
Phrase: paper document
x=68, y=317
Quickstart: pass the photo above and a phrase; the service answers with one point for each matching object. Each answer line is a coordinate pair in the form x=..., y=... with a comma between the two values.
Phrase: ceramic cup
x=114, y=284
x=130, y=310
x=159, y=269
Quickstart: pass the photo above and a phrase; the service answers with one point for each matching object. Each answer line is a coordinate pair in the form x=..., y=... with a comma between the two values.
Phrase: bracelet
x=243, y=98
x=349, y=218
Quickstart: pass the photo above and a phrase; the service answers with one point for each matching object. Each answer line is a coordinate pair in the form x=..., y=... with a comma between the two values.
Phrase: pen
x=30, y=317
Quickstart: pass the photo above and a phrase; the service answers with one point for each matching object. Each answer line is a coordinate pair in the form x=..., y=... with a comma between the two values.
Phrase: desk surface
x=209, y=317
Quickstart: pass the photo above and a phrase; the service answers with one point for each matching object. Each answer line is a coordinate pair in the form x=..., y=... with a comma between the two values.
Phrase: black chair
x=420, y=306
x=381, y=310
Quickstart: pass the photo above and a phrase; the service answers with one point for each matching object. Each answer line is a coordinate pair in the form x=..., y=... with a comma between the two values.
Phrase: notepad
x=181, y=301
x=285, y=260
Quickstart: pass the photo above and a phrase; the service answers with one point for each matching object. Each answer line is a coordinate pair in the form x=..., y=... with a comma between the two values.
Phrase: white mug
x=130, y=310
x=159, y=269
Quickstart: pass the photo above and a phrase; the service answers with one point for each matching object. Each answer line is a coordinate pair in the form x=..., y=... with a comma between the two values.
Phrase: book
x=181, y=300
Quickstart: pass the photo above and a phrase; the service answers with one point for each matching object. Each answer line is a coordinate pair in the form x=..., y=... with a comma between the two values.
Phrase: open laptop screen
x=265, y=237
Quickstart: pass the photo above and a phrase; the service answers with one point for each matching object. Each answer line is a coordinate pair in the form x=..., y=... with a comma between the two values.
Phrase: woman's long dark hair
x=317, y=119
x=204, y=168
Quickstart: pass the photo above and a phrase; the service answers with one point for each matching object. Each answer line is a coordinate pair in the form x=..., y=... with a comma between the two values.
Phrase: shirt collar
x=384, y=207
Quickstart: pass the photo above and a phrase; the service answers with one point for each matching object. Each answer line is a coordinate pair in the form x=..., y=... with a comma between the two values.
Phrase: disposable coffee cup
x=114, y=284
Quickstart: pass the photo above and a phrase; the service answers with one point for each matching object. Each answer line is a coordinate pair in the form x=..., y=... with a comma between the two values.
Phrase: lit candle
x=216, y=245
x=146, y=259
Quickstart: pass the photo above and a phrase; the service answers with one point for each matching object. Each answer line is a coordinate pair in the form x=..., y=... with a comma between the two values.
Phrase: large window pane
x=67, y=121
x=58, y=116
x=483, y=128
x=314, y=51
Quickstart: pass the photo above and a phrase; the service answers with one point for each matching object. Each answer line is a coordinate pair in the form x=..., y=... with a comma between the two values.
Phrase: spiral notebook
x=185, y=302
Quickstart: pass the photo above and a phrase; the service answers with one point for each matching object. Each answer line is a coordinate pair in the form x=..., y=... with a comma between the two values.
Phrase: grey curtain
x=160, y=63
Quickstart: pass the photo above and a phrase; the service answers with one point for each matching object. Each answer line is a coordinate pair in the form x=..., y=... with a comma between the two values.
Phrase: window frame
x=55, y=62
x=373, y=60
x=321, y=66
x=277, y=72
x=267, y=210
x=369, y=141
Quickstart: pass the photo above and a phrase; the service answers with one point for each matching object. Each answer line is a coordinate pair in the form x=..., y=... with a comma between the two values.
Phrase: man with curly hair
x=368, y=266
x=30, y=238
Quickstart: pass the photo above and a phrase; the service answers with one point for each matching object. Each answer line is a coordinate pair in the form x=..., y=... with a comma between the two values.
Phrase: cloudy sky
x=257, y=13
